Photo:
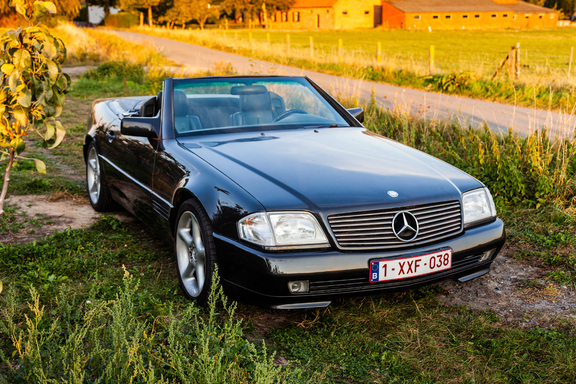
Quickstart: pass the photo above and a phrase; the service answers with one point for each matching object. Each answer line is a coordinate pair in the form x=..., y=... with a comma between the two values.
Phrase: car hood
x=330, y=169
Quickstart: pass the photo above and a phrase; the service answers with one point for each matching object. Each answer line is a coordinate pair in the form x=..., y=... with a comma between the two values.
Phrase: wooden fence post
x=431, y=60
x=511, y=61
x=340, y=45
x=311, y=48
x=379, y=53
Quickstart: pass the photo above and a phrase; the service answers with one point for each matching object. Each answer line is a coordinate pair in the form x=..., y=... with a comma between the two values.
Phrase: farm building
x=329, y=14
x=466, y=14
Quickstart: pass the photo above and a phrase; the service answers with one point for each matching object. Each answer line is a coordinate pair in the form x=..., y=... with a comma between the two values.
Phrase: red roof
x=314, y=4
x=425, y=6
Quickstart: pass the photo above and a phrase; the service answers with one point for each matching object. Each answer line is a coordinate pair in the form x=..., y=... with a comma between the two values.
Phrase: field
x=102, y=304
x=465, y=61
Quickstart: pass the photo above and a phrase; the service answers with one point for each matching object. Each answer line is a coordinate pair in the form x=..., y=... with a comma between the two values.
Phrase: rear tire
x=96, y=187
x=195, y=251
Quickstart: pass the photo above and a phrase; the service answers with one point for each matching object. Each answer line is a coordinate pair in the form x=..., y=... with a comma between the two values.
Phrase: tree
x=567, y=7
x=68, y=8
x=179, y=13
x=251, y=8
x=33, y=87
x=202, y=10
x=132, y=5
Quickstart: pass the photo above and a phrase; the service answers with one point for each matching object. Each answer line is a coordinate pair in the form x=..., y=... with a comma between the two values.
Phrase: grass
x=103, y=304
x=92, y=47
x=409, y=337
x=465, y=61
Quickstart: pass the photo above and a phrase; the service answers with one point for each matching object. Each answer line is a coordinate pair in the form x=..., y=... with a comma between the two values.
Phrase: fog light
x=300, y=286
x=487, y=255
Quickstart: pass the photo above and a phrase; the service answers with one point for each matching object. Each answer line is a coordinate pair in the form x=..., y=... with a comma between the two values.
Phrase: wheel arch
x=180, y=196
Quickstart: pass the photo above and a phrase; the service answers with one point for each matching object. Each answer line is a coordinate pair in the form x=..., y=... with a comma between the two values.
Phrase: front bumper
x=262, y=277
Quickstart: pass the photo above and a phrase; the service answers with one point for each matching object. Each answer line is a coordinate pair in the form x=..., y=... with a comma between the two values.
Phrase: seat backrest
x=256, y=109
x=255, y=105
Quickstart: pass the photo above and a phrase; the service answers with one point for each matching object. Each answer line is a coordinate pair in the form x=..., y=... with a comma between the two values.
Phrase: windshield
x=202, y=105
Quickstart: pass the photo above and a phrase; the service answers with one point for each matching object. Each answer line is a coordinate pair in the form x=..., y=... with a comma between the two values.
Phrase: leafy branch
x=33, y=87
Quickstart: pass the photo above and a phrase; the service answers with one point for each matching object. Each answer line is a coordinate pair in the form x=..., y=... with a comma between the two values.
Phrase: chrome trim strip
x=317, y=304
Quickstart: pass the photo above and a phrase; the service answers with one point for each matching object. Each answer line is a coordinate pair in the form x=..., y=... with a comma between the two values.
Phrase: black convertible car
x=274, y=181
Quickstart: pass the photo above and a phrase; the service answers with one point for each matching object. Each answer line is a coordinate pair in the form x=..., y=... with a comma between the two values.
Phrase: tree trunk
x=88, y=12
x=150, y=16
x=6, y=179
x=141, y=19
x=106, y=11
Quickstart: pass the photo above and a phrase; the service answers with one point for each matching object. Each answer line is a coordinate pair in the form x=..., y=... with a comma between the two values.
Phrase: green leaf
x=13, y=81
x=60, y=133
x=50, y=130
x=21, y=8
x=40, y=166
x=18, y=144
x=7, y=69
x=53, y=70
x=49, y=50
x=14, y=35
x=20, y=116
x=22, y=59
x=41, y=8
x=25, y=98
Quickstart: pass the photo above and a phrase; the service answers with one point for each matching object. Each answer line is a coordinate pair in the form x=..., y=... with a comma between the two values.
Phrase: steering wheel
x=289, y=112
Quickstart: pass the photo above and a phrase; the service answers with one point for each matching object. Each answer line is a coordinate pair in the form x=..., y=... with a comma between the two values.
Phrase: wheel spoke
x=189, y=272
x=93, y=163
x=185, y=236
x=190, y=254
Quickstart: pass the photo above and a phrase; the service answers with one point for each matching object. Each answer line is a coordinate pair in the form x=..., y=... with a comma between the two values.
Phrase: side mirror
x=358, y=114
x=140, y=126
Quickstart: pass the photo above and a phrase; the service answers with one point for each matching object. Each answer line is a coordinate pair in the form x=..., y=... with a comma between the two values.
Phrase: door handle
x=110, y=136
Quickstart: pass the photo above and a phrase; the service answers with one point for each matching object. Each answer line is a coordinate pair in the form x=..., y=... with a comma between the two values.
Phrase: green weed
x=529, y=171
x=9, y=222
x=80, y=339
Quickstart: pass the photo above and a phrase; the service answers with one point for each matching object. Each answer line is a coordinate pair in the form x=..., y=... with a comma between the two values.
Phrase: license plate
x=396, y=269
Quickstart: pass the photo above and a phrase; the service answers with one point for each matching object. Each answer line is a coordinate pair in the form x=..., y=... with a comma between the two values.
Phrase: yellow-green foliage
x=33, y=87
x=532, y=171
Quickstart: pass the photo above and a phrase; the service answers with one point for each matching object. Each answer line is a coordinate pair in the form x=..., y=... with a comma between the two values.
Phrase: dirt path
x=499, y=117
x=514, y=290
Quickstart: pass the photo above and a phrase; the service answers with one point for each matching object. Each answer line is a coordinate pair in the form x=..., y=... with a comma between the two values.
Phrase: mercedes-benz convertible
x=275, y=182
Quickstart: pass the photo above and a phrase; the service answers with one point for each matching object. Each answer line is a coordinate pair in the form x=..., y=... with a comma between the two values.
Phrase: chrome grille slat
x=373, y=229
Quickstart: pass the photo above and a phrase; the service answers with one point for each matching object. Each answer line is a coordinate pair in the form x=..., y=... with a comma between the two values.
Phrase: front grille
x=373, y=229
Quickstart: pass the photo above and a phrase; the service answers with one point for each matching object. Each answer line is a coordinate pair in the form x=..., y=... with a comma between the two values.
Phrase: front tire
x=96, y=187
x=195, y=251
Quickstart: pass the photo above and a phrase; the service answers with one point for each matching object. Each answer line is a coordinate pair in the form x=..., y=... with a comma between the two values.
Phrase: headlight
x=277, y=230
x=478, y=206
